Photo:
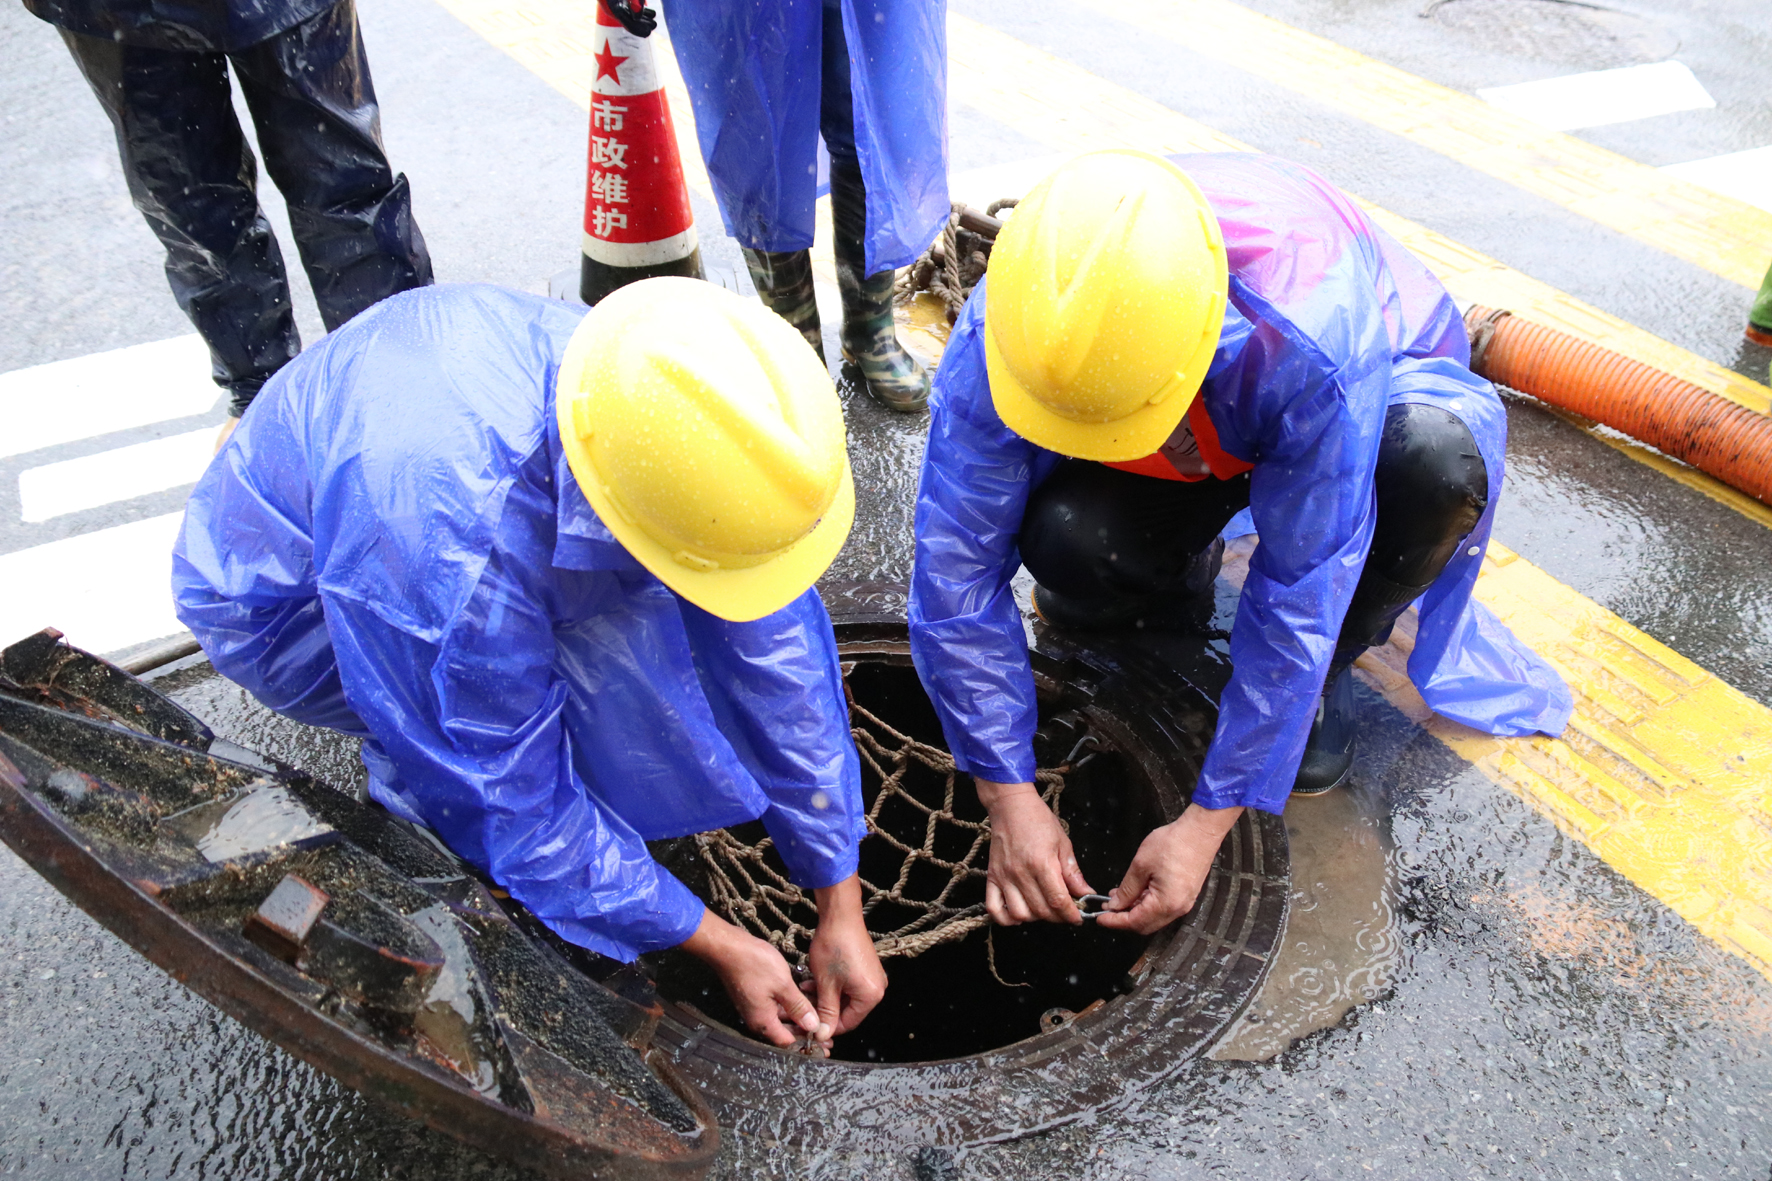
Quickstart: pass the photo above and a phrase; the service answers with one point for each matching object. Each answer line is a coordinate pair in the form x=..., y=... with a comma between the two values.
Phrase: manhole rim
x=730, y=1066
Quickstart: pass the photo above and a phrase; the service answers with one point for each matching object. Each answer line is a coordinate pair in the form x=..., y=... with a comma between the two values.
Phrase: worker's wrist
x=1217, y=821
x=995, y=795
x=841, y=902
x=712, y=937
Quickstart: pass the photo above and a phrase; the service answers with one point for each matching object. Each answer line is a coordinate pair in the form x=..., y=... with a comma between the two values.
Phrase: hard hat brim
x=1133, y=437
x=739, y=594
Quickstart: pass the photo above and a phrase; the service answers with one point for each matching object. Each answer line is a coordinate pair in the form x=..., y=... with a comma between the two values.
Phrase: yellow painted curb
x=1724, y=236
x=1665, y=771
x=1069, y=109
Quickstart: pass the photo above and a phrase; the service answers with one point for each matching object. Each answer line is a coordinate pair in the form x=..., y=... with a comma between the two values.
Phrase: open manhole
x=1007, y=1031
x=361, y=945
x=1566, y=32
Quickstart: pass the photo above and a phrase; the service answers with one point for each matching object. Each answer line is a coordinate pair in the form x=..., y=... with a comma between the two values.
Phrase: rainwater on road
x=1463, y=991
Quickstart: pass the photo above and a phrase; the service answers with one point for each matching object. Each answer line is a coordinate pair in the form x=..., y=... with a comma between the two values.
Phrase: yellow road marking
x=1067, y=108
x=1718, y=233
x=1665, y=770
x=552, y=40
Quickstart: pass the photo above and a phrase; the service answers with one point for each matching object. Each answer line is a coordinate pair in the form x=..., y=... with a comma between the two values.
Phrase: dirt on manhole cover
x=1585, y=36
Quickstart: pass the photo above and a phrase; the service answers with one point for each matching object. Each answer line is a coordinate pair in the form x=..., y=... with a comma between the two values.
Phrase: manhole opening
x=948, y=1002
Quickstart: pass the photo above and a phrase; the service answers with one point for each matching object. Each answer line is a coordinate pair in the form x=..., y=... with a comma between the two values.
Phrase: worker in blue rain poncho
x=160, y=68
x=554, y=569
x=1159, y=345
x=767, y=79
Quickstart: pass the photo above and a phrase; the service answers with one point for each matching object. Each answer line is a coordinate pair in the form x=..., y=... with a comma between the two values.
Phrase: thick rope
x=746, y=891
x=954, y=262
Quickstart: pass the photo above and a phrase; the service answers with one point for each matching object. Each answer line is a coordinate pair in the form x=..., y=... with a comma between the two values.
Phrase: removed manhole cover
x=1585, y=36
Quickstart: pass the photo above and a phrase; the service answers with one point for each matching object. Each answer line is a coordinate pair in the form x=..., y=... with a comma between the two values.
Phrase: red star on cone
x=608, y=65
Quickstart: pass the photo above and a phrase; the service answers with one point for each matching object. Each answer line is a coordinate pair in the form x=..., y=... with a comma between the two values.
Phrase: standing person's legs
x=314, y=105
x=193, y=177
x=1113, y=549
x=870, y=335
x=1430, y=488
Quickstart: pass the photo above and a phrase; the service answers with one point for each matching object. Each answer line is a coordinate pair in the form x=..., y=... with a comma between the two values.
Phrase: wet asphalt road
x=1535, y=1014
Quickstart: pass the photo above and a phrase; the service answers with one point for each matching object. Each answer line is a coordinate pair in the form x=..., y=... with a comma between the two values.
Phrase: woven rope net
x=913, y=813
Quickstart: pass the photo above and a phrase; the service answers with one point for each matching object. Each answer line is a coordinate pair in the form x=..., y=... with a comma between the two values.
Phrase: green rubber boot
x=1759, y=320
x=890, y=375
x=784, y=283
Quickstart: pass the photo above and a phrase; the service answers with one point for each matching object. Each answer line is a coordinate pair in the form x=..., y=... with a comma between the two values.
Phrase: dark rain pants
x=194, y=178
x=1099, y=536
x=836, y=126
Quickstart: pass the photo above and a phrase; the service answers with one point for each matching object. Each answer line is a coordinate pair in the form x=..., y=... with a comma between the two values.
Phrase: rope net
x=913, y=814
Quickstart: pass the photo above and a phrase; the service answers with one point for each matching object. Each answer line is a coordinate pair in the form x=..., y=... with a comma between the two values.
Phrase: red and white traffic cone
x=638, y=222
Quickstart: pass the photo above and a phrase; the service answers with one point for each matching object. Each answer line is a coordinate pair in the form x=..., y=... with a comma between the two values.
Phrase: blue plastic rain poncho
x=1330, y=322
x=393, y=545
x=753, y=69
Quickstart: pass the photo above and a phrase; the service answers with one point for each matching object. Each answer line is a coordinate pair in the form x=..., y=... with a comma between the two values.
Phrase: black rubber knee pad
x=1431, y=489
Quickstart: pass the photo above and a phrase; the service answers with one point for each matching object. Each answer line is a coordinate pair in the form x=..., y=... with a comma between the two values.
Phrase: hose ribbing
x=1677, y=418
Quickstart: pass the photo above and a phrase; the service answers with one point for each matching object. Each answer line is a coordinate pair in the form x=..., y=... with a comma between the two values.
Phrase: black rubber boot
x=890, y=375
x=784, y=283
x=1329, y=751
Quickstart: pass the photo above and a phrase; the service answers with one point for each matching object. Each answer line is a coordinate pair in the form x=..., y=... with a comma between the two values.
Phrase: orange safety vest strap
x=1222, y=464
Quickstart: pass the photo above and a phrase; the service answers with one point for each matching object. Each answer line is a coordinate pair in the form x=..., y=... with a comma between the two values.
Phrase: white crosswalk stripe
x=110, y=476
x=65, y=401
x=104, y=590
x=110, y=588
x=1746, y=176
x=1602, y=97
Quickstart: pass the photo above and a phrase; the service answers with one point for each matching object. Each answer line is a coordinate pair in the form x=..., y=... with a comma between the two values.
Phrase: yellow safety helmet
x=1107, y=293
x=710, y=441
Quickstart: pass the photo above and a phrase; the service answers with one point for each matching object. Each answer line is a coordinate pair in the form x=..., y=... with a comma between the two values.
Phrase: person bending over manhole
x=555, y=569
x=1162, y=344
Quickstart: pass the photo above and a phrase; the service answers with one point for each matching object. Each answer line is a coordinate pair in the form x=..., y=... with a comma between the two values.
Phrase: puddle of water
x=1341, y=948
x=266, y=818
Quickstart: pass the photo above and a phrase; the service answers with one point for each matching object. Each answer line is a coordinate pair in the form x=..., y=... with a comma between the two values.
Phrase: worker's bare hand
x=1167, y=872
x=847, y=979
x=1033, y=872
x=758, y=981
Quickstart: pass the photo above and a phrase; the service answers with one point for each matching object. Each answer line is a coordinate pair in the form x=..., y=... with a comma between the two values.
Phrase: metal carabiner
x=1092, y=906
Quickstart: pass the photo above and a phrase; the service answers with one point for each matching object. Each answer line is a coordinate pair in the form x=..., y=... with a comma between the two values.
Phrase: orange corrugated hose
x=1677, y=418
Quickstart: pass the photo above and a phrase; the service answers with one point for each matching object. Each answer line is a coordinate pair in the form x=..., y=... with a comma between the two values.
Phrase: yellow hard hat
x=709, y=440
x=1107, y=293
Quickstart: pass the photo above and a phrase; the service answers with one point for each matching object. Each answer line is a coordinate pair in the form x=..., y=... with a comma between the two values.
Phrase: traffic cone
x=638, y=222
